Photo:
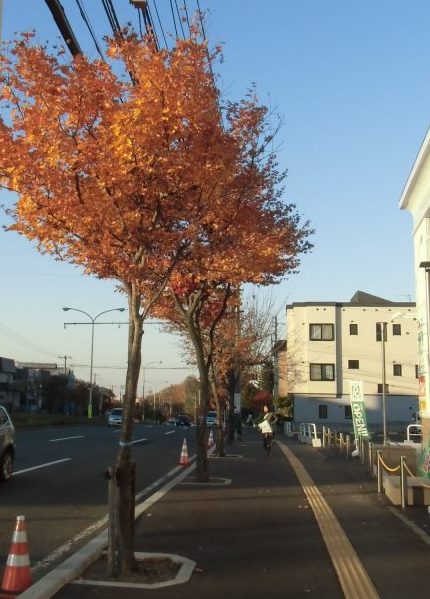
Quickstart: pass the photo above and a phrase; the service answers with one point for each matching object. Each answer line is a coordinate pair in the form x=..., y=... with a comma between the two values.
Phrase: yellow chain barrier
x=387, y=468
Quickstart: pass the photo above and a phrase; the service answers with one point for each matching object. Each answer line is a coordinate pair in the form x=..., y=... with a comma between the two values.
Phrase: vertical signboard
x=358, y=410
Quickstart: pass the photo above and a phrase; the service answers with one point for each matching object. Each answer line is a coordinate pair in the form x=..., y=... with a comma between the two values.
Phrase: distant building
x=21, y=383
x=329, y=344
x=9, y=388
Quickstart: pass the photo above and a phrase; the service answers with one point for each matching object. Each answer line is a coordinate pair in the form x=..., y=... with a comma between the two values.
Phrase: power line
x=112, y=18
x=90, y=29
x=160, y=24
x=20, y=340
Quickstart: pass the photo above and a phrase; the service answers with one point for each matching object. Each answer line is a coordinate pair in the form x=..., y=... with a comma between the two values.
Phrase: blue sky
x=350, y=82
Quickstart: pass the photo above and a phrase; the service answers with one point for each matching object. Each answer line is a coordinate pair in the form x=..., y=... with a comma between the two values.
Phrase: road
x=58, y=483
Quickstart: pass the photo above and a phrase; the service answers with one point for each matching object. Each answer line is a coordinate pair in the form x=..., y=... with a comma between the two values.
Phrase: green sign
x=358, y=410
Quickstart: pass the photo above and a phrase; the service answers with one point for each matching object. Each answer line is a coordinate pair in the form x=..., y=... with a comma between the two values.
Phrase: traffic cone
x=17, y=575
x=183, y=460
x=211, y=439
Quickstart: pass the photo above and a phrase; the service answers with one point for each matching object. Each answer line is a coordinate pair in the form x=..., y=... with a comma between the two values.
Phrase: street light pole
x=65, y=362
x=154, y=391
x=93, y=321
x=143, y=383
x=384, y=378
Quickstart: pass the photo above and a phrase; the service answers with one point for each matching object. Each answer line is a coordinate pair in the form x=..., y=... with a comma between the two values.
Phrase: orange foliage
x=124, y=178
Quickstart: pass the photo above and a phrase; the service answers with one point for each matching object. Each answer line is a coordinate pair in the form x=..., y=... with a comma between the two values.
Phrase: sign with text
x=358, y=409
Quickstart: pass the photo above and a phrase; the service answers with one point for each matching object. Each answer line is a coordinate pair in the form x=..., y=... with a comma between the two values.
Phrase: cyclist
x=267, y=428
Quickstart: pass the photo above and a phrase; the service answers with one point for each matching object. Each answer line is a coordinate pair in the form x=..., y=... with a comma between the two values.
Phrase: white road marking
x=41, y=466
x=170, y=432
x=66, y=438
x=138, y=441
x=68, y=545
x=60, y=551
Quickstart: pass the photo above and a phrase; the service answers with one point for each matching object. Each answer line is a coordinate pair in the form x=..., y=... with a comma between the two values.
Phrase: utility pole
x=64, y=26
x=65, y=362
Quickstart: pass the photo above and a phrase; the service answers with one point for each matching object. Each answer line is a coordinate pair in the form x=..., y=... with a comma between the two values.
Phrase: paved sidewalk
x=253, y=533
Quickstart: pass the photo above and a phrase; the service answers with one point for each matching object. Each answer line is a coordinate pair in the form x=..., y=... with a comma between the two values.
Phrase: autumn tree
x=255, y=238
x=126, y=179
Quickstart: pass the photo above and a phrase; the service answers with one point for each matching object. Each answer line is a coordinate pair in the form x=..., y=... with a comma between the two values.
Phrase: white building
x=416, y=199
x=332, y=343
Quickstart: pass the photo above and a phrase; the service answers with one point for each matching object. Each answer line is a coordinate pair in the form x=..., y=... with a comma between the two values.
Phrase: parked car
x=7, y=445
x=183, y=420
x=115, y=417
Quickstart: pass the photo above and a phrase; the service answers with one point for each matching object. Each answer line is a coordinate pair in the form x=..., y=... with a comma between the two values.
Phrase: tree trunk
x=230, y=411
x=125, y=468
x=202, y=466
x=219, y=434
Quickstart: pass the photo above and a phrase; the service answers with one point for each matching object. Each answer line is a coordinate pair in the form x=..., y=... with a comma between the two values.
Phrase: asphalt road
x=58, y=483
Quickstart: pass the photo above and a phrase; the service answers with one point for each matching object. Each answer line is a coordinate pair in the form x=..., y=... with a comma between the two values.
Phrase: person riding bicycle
x=267, y=427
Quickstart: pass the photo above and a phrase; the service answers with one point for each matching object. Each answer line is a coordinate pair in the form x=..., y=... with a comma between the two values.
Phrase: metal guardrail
x=411, y=427
x=308, y=430
x=365, y=450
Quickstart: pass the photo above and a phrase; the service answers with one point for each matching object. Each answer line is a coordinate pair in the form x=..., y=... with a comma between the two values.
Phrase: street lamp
x=143, y=373
x=93, y=320
x=143, y=383
x=154, y=386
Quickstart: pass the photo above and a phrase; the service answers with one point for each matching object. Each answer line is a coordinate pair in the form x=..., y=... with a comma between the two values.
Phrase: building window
x=397, y=329
x=348, y=413
x=353, y=329
x=354, y=364
x=380, y=388
x=322, y=411
x=322, y=372
x=379, y=326
x=321, y=332
x=397, y=369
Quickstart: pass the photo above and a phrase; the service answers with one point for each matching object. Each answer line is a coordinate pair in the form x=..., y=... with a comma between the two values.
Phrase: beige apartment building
x=329, y=344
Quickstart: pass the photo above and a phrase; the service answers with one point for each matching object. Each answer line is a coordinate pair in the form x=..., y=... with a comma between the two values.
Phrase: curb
x=73, y=566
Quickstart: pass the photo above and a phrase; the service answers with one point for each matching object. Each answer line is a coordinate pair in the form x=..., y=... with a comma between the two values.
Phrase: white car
x=115, y=417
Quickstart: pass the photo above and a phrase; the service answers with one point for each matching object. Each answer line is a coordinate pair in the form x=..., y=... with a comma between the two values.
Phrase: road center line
x=66, y=438
x=41, y=466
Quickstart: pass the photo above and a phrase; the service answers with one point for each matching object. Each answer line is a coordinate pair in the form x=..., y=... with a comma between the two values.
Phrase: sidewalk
x=253, y=533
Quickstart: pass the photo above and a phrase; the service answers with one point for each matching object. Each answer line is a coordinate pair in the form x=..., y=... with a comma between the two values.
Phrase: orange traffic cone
x=183, y=460
x=211, y=439
x=17, y=575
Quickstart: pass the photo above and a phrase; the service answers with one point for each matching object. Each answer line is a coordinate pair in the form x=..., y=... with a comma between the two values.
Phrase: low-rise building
x=329, y=344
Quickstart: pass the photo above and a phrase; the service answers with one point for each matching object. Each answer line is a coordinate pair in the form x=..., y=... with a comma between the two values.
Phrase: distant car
x=183, y=420
x=211, y=418
x=7, y=445
x=115, y=417
x=171, y=421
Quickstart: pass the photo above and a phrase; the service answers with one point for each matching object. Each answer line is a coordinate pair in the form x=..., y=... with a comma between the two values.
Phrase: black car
x=183, y=420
